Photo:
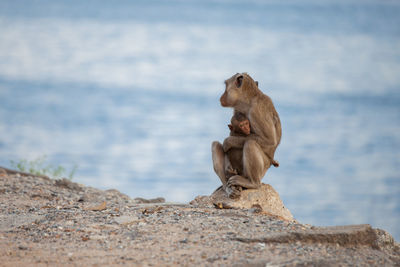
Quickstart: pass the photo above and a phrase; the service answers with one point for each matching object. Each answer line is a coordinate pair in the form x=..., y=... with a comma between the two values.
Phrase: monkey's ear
x=257, y=83
x=239, y=81
x=230, y=127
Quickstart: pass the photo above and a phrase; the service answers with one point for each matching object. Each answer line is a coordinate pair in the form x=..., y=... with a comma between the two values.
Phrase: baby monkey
x=240, y=126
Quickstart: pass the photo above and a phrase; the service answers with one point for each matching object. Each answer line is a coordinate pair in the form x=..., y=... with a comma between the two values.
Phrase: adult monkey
x=242, y=94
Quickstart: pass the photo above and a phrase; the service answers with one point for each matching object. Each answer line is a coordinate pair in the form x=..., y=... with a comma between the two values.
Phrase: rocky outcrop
x=264, y=200
x=345, y=236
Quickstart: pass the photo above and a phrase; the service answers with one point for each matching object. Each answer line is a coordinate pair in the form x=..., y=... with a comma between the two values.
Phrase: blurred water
x=129, y=92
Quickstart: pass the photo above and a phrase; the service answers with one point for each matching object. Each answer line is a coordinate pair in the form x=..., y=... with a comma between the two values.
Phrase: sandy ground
x=46, y=222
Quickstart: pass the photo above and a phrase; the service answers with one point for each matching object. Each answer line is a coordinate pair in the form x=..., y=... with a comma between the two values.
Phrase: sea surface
x=129, y=92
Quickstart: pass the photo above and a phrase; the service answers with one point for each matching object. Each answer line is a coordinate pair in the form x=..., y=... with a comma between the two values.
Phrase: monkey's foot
x=233, y=191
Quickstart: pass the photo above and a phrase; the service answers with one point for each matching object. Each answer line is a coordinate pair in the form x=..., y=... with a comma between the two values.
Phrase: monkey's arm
x=233, y=142
x=238, y=180
x=267, y=128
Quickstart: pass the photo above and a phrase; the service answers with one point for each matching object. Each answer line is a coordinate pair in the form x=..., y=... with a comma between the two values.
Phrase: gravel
x=58, y=222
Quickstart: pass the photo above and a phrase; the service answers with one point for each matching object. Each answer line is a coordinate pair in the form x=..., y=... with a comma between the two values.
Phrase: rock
x=68, y=184
x=385, y=241
x=8, y=223
x=102, y=206
x=114, y=193
x=18, y=173
x=140, y=200
x=126, y=219
x=265, y=200
x=202, y=202
x=3, y=172
x=345, y=236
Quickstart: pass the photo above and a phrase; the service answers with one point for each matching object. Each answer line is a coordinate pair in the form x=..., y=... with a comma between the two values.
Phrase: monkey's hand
x=233, y=142
x=230, y=171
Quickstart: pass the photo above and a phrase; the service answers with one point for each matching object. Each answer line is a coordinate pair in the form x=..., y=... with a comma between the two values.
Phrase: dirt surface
x=45, y=222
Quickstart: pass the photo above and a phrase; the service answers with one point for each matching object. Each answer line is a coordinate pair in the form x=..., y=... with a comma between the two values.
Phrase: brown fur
x=243, y=94
x=234, y=165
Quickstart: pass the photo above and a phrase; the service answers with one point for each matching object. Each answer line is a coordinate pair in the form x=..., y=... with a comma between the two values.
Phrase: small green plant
x=39, y=166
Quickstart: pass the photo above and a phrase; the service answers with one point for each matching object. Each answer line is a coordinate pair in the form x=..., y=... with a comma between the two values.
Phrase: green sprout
x=39, y=166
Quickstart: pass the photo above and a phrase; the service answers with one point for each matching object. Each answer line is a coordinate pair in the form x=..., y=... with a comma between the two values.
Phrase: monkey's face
x=232, y=91
x=245, y=127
